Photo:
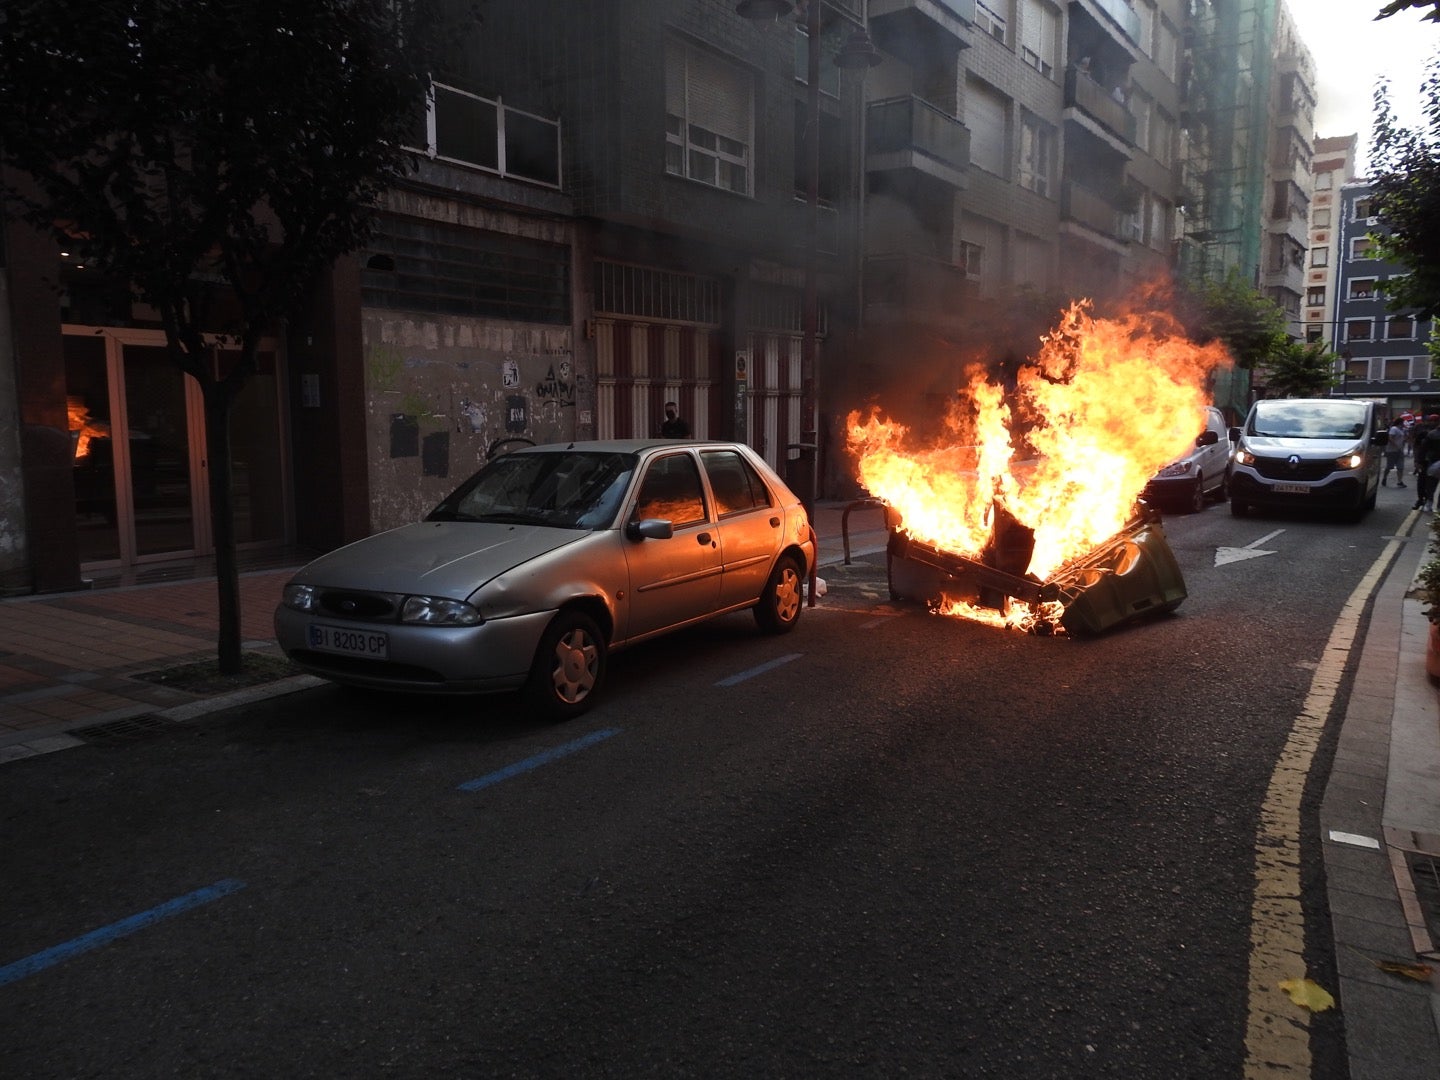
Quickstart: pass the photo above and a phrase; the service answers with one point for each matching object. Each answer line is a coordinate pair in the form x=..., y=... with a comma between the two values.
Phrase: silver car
x=548, y=558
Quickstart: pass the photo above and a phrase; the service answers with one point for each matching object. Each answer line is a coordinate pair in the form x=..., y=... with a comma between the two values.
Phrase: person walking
x=1394, y=455
x=1427, y=454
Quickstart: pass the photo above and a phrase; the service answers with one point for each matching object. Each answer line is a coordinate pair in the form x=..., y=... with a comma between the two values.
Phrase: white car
x=1199, y=474
x=535, y=568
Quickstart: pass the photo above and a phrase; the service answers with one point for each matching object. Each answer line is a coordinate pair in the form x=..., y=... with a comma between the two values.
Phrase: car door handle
x=704, y=538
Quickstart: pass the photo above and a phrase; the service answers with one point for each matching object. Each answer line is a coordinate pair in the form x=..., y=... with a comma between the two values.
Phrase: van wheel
x=569, y=667
x=1238, y=508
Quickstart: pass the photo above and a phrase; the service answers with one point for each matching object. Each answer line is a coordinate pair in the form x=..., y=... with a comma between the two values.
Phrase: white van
x=1320, y=453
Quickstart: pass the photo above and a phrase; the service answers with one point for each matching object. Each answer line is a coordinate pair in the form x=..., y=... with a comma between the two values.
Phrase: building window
x=1363, y=209
x=991, y=18
x=1037, y=151
x=1400, y=328
x=1167, y=48
x=1397, y=369
x=985, y=117
x=1314, y=332
x=1320, y=219
x=972, y=258
x=708, y=118
x=1319, y=256
x=1039, y=33
x=829, y=71
x=1315, y=297
x=1362, y=248
x=482, y=133
x=1323, y=181
x=1162, y=138
x=1358, y=329
x=1362, y=288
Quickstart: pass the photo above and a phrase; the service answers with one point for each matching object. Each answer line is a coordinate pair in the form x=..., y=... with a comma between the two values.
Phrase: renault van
x=1318, y=453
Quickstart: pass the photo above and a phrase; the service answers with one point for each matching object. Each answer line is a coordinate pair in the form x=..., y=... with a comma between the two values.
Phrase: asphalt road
x=888, y=844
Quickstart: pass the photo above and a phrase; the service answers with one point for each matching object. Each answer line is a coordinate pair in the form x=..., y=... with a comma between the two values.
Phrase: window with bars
x=429, y=266
x=646, y=292
x=485, y=133
x=709, y=118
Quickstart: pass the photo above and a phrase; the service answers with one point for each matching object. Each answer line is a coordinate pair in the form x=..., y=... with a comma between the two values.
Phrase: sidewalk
x=69, y=664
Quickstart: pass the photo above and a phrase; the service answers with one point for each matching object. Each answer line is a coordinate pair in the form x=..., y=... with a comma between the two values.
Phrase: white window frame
x=1391, y=320
x=1352, y=324
x=1319, y=256
x=1037, y=154
x=1362, y=289
x=1040, y=35
x=695, y=142
x=1355, y=248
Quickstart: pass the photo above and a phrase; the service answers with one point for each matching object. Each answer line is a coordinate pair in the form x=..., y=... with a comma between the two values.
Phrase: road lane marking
x=542, y=758
x=106, y=934
x=1277, y=1035
x=1225, y=555
x=750, y=673
x=1354, y=839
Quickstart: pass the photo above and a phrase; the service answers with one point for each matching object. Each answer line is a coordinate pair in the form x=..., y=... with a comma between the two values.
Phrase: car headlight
x=1178, y=468
x=301, y=597
x=1244, y=457
x=438, y=611
x=1351, y=461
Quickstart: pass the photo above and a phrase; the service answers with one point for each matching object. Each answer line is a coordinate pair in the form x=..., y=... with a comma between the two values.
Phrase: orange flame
x=1101, y=407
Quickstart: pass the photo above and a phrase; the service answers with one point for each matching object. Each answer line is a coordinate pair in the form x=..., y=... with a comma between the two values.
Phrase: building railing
x=1097, y=102
x=1094, y=211
x=915, y=283
x=1123, y=15
x=911, y=123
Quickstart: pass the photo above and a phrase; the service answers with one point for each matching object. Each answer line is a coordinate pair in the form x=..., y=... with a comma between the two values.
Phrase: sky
x=1351, y=52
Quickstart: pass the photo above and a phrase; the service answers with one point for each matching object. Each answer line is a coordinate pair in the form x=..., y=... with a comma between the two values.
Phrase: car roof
x=626, y=446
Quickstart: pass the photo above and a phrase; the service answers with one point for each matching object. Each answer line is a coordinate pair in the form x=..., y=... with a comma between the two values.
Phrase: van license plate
x=1291, y=489
x=337, y=639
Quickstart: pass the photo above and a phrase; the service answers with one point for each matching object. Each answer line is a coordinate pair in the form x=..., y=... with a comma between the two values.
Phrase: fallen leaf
x=1418, y=972
x=1308, y=995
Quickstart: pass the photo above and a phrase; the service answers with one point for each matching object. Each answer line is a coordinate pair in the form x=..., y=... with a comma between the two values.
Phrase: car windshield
x=563, y=489
x=1309, y=419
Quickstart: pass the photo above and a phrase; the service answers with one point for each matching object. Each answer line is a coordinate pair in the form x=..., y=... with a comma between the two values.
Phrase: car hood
x=1272, y=446
x=434, y=558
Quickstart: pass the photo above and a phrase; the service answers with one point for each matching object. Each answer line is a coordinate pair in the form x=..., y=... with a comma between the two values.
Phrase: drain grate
x=131, y=729
x=1425, y=873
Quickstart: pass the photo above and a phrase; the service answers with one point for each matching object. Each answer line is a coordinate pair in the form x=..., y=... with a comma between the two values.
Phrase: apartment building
x=1383, y=351
x=1332, y=168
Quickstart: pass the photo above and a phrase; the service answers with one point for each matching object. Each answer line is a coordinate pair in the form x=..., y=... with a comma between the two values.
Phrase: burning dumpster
x=1130, y=576
x=1019, y=505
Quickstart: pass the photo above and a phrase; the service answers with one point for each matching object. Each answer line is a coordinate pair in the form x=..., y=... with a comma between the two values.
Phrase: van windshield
x=1308, y=419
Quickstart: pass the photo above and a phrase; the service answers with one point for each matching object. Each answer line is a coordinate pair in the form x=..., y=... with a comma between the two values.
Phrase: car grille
x=362, y=667
x=360, y=605
x=1281, y=469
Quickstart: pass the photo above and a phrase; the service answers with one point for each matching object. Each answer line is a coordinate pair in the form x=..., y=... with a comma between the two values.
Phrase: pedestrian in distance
x=675, y=426
x=1394, y=454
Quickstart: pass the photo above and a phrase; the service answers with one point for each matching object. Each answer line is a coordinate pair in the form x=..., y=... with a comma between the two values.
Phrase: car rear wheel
x=569, y=667
x=779, y=607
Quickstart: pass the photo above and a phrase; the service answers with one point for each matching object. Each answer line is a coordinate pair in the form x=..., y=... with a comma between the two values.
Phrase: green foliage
x=1301, y=370
x=1427, y=581
x=1251, y=326
x=1406, y=167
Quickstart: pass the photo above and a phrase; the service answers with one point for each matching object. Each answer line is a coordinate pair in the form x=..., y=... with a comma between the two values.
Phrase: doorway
x=137, y=439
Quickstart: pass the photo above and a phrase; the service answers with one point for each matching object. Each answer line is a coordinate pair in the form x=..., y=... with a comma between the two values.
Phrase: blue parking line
x=106, y=934
x=543, y=758
x=761, y=670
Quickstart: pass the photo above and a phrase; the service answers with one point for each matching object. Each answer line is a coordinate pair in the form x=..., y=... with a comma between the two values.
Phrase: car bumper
x=491, y=657
x=1342, y=490
x=1170, y=488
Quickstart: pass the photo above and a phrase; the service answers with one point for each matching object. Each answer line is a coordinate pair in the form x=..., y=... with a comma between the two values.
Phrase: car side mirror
x=649, y=529
x=1207, y=438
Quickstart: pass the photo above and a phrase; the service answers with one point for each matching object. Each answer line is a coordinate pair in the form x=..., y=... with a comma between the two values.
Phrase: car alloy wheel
x=569, y=666
x=1197, y=495
x=780, y=604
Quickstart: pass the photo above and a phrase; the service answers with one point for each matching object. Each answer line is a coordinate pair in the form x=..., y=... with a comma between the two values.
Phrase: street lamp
x=857, y=53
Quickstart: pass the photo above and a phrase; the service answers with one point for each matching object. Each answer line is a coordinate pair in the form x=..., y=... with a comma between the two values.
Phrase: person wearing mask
x=674, y=426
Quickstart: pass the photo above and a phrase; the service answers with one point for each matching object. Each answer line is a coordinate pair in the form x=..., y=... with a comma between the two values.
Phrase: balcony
x=1099, y=104
x=1085, y=207
x=899, y=287
x=922, y=31
x=1122, y=15
x=910, y=134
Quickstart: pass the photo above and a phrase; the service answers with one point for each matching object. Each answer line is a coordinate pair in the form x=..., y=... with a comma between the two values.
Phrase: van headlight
x=438, y=611
x=1352, y=460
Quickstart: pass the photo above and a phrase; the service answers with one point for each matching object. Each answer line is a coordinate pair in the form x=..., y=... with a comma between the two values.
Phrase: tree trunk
x=222, y=524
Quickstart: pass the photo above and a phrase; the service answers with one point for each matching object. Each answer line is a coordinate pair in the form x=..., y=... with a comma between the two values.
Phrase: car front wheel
x=1197, y=495
x=569, y=667
x=779, y=607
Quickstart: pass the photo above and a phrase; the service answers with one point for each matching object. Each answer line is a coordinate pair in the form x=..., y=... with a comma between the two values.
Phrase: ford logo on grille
x=350, y=605
x=1293, y=461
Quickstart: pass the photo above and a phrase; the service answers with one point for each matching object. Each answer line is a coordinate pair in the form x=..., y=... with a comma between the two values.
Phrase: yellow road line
x=1277, y=1035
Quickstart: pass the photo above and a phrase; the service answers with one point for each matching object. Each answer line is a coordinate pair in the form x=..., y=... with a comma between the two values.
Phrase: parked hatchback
x=1199, y=474
x=533, y=570
x=1318, y=453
